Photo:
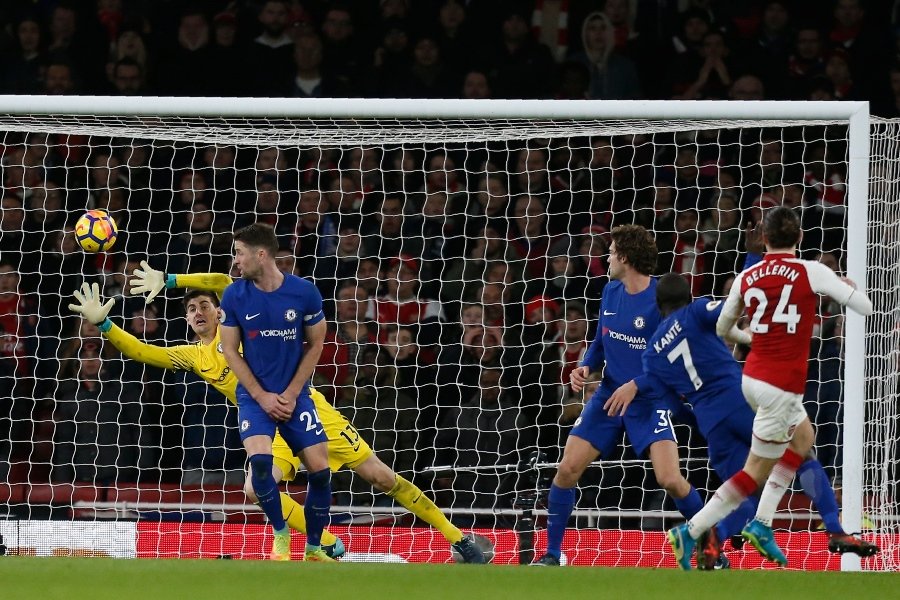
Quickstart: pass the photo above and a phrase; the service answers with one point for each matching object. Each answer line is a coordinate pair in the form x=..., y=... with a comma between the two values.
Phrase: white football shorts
x=778, y=413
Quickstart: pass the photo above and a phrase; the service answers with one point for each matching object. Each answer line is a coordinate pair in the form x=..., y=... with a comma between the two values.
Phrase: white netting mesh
x=462, y=264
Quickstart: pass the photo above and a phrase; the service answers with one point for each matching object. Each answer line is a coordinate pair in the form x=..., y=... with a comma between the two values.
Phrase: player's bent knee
x=674, y=484
x=567, y=475
x=320, y=479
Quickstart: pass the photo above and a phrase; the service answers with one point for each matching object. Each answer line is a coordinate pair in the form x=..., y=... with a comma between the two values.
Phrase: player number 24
x=785, y=312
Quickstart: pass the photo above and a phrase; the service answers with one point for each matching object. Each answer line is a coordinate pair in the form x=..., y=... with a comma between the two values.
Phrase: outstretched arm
x=89, y=307
x=152, y=281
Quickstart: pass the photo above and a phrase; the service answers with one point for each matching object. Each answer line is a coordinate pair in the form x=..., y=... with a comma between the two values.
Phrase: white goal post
x=292, y=123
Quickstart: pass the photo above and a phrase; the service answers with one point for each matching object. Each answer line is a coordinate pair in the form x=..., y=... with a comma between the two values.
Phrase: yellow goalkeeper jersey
x=345, y=447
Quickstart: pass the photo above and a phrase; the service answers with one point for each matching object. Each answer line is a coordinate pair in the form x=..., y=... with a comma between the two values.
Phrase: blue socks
x=317, y=505
x=817, y=486
x=690, y=505
x=560, y=503
x=266, y=489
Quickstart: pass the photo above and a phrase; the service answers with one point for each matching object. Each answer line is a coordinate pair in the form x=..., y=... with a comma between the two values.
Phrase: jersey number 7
x=683, y=350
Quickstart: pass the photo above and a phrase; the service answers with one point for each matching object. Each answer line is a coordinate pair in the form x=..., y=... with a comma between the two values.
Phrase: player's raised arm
x=152, y=281
x=731, y=312
x=825, y=281
x=89, y=307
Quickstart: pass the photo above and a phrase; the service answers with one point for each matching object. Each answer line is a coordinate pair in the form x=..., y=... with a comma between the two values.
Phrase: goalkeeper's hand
x=147, y=280
x=89, y=305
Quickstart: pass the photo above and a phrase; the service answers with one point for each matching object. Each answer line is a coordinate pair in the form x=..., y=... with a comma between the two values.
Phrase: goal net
x=461, y=256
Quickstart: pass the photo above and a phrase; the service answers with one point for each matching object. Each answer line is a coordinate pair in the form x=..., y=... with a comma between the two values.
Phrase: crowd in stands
x=602, y=49
x=462, y=285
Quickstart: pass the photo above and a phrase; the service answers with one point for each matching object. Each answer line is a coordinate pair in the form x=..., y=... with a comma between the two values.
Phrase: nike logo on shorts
x=660, y=429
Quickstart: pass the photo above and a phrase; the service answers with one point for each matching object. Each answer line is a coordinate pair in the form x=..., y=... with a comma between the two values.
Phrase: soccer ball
x=96, y=231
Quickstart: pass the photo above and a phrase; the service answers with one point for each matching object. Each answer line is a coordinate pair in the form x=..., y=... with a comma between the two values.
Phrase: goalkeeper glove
x=150, y=281
x=89, y=305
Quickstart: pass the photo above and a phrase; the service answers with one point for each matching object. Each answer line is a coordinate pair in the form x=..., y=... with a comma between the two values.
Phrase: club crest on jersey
x=639, y=322
x=290, y=315
x=245, y=425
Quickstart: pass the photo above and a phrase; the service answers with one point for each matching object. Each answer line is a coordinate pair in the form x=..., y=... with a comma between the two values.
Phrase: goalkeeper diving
x=205, y=358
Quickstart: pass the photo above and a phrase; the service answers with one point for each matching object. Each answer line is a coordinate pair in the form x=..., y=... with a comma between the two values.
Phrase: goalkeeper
x=205, y=358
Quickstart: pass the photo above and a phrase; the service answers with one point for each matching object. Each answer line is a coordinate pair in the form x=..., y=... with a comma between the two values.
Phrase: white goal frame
x=856, y=114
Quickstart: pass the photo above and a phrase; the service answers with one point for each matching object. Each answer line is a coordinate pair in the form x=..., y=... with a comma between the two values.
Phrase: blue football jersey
x=271, y=326
x=686, y=356
x=625, y=324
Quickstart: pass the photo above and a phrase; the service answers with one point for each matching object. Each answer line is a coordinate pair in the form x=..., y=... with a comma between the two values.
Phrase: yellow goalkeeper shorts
x=346, y=448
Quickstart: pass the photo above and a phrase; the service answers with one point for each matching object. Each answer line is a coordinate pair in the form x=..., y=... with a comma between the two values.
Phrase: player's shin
x=560, y=503
x=734, y=523
x=776, y=485
x=266, y=489
x=295, y=518
x=726, y=499
x=690, y=504
x=413, y=499
x=816, y=485
x=318, y=504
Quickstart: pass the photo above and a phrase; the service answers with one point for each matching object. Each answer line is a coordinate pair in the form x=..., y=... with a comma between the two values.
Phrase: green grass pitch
x=116, y=579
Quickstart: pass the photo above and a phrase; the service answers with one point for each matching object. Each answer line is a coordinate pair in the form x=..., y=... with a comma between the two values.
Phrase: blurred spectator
x=428, y=76
x=347, y=336
x=714, y=77
x=489, y=203
x=401, y=305
x=270, y=56
x=59, y=80
x=767, y=54
x=129, y=47
x=483, y=246
x=453, y=37
x=528, y=234
x=225, y=53
x=391, y=233
x=342, y=54
x=309, y=80
x=18, y=319
x=612, y=76
x=184, y=63
x=97, y=425
x=460, y=364
x=128, y=78
x=476, y=86
x=747, y=87
x=520, y=67
x=23, y=72
x=837, y=70
x=12, y=233
x=686, y=252
x=391, y=59
x=859, y=38
x=806, y=62
x=486, y=429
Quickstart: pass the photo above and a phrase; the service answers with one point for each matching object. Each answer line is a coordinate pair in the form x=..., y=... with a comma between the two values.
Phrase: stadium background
x=385, y=218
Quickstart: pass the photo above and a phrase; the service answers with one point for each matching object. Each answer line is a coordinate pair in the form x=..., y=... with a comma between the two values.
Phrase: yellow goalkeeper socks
x=295, y=519
x=415, y=501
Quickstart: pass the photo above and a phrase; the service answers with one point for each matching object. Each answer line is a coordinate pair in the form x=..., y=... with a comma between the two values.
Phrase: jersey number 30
x=785, y=312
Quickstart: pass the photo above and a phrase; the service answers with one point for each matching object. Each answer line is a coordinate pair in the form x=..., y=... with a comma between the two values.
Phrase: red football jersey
x=780, y=294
